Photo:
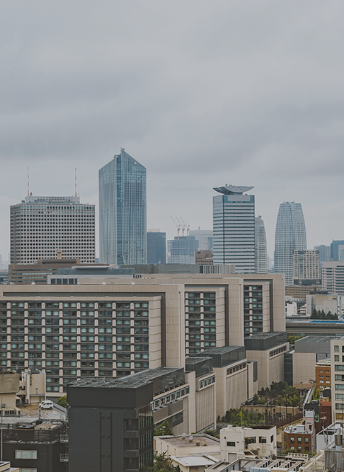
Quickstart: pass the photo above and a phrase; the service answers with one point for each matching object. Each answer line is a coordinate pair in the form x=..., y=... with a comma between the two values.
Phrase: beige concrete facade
x=231, y=386
x=115, y=327
x=186, y=445
x=235, y=440
x=270, y=364
x=304, y=366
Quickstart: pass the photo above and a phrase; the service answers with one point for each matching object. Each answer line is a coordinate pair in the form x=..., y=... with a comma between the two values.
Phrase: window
x=262, y=439
x=336, y=358
x=231, y=443
x=306, y=440
x=336, y=348
x=292, y=439
x=22, y=454
x=299, y=440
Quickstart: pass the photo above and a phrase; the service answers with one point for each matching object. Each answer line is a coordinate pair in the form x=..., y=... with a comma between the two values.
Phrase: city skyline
x=78, y=90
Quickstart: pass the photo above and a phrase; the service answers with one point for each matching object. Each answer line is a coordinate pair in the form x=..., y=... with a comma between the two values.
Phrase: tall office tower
x=41, y=227
x=290, y=236
x=204, y=238
x=181, y=250
x=122, y=211
x=306, y=270
x=234, y=228
x=260, y=244
x=337, y=250
x=324, y=253
x=156, y=247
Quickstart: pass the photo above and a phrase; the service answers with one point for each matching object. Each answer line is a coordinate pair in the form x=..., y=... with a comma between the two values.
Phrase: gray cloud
x=201, y=93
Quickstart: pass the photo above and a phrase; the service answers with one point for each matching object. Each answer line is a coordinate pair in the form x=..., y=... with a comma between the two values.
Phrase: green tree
x=62, y=401
x=164, y=429
x=162, y=463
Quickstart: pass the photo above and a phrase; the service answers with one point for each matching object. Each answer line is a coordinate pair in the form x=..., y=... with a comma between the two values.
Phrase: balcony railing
x=63, y=457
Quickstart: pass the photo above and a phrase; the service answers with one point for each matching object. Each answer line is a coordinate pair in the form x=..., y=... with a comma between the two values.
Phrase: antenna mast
x=28, y=180
x=75, y=184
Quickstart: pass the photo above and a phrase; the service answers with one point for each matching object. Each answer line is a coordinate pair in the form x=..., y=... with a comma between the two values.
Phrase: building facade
x=43, y=226
x=306, y=266
x=337, y=250
x=260, y=245
x=332, y=277
x=116, y=327
x=234, y=228
x=290, y=235
x=181, y=250
x=122, y=211
x=156, y=247
x=204, y=238
x=324, y=253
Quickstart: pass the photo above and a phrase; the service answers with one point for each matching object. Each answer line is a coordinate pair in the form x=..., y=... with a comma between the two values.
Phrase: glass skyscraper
x=260, y=243
x=234, y=228
x=290, y=235
x=122, y=211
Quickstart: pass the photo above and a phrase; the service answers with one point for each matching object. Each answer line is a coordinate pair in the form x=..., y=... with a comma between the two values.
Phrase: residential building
x=301, y=438
x=181, y=250
x=156, y=247
x=234, y=228
x=204, y=257
x=204, y=238
x=324, y=253
x=235, y=441
x=323, y=374
x=118, y=326
x=306, y=266
x=261, y=254
x=337, y=378
x=332, y=275
x=42, y=226
x=337, y=250
x=290, y=235
x=122, y=211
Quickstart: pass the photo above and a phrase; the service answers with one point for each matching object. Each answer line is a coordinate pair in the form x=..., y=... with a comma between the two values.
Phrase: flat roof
x=180, y=442
x=198, y=460
x=129, y=381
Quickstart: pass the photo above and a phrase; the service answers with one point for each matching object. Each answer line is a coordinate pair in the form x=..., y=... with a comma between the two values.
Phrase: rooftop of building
x=163, y=378
x=191, y=440
x=232, y=189
x=195, y=460
x=51, y=199
x=223, y=356
x=265, y=341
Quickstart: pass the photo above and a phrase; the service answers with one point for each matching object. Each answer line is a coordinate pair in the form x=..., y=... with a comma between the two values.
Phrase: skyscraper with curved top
x=234, y=228
x=122, y=211
x=290, y=235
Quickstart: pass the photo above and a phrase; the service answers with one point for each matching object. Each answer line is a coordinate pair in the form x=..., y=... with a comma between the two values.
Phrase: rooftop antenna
x=28, y=180
x=75, y=184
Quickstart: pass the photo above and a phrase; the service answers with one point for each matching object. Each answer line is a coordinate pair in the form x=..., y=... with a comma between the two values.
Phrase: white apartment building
x=43, y=226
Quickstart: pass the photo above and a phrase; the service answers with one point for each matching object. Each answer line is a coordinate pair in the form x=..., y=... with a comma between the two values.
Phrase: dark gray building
x=156, y=247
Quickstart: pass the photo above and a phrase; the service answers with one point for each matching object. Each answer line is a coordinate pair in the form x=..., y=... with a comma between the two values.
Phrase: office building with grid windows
x=42, y=227
x=234, y=228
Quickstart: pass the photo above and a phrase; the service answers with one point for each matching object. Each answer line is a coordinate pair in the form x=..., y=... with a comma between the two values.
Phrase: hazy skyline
x=201, y=93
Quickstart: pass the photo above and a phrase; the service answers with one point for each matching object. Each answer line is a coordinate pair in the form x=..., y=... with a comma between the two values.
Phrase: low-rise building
x=323, y=374
x=185, y=445
x=301, y=438
x=236, y=442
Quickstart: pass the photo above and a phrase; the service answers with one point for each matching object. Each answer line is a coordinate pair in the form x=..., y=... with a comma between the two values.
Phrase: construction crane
x=182, y=224
x=185, y=226
x=177, y=224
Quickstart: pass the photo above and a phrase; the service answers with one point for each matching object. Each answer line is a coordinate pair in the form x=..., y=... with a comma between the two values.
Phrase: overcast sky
x=202, y=93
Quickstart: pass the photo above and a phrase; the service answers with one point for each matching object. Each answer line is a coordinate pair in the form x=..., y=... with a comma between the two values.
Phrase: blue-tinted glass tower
x=290, y=236
x=122, y=211
x=234, y=228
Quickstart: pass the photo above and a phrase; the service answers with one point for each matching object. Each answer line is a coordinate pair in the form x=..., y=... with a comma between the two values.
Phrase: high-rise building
x=204, y=238
x=122, y=211
x=260, y=244
x=181, y=250
x=156, y=247
x=306, y=266
x=42, y=227
x=234, y=228
x=332, y=276
x=290, y=235
x=324, y=253
x=337, y=250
